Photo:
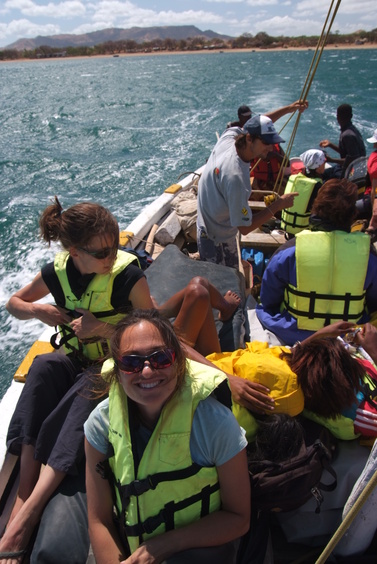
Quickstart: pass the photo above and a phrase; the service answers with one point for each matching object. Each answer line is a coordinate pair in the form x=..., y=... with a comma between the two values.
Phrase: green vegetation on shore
x=246, y=41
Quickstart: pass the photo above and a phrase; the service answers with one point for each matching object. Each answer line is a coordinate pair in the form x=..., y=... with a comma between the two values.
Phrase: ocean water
x=118, y=131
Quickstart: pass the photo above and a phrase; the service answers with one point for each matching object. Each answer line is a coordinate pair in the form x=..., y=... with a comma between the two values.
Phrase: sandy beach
x=200, y=52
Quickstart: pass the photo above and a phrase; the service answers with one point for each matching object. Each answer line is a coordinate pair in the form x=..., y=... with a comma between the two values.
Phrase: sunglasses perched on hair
x=101, y=254
x=133, y=363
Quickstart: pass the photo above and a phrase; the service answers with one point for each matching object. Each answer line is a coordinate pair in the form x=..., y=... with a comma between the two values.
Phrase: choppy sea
x=118, y=131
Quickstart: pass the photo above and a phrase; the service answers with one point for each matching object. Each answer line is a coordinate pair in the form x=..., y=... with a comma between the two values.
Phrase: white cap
x=374, y=138
x=313, y=159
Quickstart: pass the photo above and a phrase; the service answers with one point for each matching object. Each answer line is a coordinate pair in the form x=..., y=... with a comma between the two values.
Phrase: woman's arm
x=140, y=295
x=104, y=537
x=220, y=527
x=22, y=304
x=252, y=395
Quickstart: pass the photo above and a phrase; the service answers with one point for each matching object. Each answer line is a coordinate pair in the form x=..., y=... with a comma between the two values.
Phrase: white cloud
x=28, y=18
x=28, y=8
x=25, y=28
x=287, y=26
x=128, y=15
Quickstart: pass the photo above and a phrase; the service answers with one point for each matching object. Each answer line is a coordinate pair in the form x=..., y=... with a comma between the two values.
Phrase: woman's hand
x=142, y=555
x=330, y=331
x=251, y=395
x=50, y=314
x=367, y=338
x=88, y=325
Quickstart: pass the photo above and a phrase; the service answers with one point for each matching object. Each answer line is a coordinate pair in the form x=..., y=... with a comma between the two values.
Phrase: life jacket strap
x=166, y=515
x=313, y=297
x=139, y=487
x=293, y=216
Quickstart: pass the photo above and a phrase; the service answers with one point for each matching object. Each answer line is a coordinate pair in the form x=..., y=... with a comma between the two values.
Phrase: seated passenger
x=162, y=429
x=93, y=285
x=244, y=114
x=336, y=384
x=365, y=204
x=296, y=218
x=324, y=275
x=350, y=146
x=264, y=172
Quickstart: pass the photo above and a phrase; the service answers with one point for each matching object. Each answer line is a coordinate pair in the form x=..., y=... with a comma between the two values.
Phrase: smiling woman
x=93, y=285
x=173, y=454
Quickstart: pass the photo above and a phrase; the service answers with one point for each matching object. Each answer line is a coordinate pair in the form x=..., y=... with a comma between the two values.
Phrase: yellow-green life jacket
x=330, y=268
x=169, y=489
x=96, y=299
x=296, y=218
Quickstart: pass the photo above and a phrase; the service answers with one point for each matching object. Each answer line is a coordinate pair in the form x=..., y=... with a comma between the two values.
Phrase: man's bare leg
x=192, y=308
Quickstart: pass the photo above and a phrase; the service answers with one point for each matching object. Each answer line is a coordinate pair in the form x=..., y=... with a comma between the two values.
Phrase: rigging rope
x=333, y=9
x=344, y=526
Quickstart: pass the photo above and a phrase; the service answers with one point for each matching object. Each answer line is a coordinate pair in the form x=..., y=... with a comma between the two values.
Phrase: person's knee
x=199, y=281
x=198, y=289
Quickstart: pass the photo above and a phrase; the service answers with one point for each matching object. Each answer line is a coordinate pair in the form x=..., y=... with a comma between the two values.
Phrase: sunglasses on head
x=133, y=363
x=101, y=254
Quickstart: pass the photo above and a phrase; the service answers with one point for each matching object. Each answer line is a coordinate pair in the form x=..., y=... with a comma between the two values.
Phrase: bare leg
x=20, y=530
x=29, y=474
x=192, y=308
x=226, y=304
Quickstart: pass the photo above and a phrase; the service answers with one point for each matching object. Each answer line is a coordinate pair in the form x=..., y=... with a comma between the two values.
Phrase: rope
x=348, y=519
x=334, y=6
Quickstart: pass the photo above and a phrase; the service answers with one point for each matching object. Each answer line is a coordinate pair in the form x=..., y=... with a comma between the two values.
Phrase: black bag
x=285, y=486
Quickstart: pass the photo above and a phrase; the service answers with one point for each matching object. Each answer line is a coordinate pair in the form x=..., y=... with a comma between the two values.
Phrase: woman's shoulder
x=96, y=427
x=216, y=418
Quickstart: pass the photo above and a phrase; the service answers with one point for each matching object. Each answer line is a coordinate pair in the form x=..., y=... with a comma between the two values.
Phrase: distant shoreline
x=199, y=52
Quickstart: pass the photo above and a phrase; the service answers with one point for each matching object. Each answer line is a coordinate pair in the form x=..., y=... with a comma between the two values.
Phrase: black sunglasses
x=101, y=254
x=133, y=363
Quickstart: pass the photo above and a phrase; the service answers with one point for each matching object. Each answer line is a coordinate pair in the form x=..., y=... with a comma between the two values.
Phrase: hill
x=137, y=34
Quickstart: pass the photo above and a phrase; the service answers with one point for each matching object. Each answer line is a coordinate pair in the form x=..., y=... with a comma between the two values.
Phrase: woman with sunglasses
x=93, y=285
x=173, y=455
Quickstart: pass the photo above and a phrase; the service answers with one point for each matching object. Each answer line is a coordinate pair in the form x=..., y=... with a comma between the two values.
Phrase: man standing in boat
x=224, y=189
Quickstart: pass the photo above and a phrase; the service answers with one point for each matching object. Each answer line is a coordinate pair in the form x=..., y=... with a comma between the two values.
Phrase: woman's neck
x=148, y=419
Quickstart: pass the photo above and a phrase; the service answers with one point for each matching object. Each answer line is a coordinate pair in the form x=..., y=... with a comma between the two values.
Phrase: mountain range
x=138, y=34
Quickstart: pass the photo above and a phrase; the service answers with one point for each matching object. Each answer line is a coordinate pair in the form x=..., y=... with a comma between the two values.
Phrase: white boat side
x=151, y=214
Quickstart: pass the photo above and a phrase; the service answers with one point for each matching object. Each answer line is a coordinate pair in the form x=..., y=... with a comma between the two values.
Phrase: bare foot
x=231, y=303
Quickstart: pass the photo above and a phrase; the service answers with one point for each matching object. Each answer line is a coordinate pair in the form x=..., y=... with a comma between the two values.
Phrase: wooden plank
x=39, y=347
x=257, y=206
x=263, y=241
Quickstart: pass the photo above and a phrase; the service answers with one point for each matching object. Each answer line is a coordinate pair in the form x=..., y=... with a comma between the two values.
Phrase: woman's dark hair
x=77, y=225
x=327, y=374
x=336, y=203
x=278, y=438
x=166, y=330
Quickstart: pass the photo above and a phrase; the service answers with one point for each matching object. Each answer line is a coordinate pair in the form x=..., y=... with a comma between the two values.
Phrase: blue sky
x=29, y=18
